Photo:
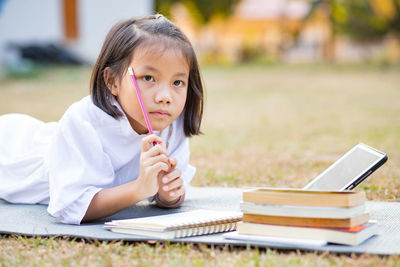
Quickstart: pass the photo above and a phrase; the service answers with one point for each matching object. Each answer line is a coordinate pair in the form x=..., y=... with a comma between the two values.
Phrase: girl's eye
x=148, y=78
x=178, y=83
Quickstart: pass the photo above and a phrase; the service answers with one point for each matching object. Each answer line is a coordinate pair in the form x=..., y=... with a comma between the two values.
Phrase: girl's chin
x=159, y=127
x=155, y=127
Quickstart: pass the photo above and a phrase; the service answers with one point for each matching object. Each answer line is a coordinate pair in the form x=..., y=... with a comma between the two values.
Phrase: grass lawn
x=263, y=126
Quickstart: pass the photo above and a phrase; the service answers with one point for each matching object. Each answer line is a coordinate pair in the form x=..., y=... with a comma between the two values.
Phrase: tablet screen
x=349, y=168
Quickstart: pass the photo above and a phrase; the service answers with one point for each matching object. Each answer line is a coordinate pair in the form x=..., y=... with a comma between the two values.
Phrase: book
x=275, y=240
x=178, y=225
x=312, y=222
x=347, y=236
x=302, y=211
x=302, y=197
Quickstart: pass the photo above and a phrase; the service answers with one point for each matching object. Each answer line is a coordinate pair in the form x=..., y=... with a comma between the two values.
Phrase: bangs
x=159, y=45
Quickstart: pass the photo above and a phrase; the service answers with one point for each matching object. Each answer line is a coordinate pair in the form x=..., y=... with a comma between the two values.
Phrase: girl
x=98, y=160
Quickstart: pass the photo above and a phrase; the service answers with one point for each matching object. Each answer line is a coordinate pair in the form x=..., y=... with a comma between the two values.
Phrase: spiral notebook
x=178, y=225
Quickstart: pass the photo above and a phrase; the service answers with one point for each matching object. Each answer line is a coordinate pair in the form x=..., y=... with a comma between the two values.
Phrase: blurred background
x=222, y=32
x=291, y=84
x=290, y=30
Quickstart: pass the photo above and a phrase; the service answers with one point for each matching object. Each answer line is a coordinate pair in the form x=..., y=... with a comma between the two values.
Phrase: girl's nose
x=163, y=95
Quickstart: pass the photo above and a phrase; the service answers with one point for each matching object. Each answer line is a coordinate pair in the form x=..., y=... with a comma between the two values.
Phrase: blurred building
x=81, y=25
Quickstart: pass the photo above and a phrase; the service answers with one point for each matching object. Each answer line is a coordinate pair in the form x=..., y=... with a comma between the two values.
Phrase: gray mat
x=33, y=220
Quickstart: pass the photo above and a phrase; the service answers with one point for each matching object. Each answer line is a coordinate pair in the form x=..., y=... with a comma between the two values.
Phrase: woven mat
x=33, y=220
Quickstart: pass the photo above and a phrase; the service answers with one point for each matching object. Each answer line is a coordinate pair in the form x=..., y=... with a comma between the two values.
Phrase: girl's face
x=162, y=75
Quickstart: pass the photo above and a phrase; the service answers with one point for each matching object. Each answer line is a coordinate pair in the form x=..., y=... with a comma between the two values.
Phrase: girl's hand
x=171, y=184
x=153, y=161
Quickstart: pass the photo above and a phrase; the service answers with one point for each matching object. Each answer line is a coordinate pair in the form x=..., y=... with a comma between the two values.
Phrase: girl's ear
x=109, y=80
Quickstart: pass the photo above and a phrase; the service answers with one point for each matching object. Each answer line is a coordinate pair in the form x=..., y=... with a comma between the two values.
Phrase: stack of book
x=334, y=216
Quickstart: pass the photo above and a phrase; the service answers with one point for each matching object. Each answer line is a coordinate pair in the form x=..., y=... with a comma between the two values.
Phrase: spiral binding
x=203, y=227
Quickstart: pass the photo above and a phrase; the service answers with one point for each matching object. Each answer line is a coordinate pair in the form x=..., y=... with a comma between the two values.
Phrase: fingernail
x=165, y=179
x=165, y=188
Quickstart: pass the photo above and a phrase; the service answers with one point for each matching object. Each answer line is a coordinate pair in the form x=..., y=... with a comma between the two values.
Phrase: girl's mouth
x=160, y=113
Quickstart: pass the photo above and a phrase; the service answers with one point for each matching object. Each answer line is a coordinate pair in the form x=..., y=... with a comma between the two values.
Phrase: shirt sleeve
x=78, y=169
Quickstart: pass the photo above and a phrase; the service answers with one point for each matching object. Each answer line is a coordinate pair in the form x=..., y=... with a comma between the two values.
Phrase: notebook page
x=178, y=220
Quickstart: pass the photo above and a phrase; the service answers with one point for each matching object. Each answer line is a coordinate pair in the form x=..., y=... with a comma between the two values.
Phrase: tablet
x=349, y=170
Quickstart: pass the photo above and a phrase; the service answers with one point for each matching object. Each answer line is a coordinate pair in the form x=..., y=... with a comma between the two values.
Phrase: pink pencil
x=139, y=96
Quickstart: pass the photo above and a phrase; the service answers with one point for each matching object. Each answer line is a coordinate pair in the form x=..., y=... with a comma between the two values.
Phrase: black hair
x=118, y=49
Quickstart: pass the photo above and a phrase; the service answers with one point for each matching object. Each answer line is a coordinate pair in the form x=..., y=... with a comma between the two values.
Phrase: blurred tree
x=201, y=10
x=361, y=19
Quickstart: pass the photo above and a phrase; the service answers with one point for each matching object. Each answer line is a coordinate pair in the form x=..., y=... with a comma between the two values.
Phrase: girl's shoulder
x=85, y=111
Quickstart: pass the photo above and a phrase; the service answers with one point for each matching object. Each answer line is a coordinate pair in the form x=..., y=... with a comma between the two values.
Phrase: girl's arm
x=153, y=161
x=111, y=200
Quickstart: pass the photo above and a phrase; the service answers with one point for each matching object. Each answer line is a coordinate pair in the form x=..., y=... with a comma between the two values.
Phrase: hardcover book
x=312, y=222
x=302, y=197
x=347, y=236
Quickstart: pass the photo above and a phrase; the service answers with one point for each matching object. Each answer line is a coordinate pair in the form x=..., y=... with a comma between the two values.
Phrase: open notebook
x=177, y=225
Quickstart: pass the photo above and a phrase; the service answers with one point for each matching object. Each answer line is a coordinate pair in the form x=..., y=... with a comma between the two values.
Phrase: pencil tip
x=130, y=70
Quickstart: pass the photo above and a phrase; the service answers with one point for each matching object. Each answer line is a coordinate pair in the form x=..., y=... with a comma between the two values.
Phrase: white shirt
x=65, y=164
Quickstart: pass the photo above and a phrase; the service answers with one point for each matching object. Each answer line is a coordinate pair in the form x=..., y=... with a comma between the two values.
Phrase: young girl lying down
x=99, y=158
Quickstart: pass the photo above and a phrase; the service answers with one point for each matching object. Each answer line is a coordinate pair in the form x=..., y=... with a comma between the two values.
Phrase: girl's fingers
x=176, y=173
x=178, y=192
x=175, y=184
x=147, y=142
x=155, y=151
x=173, y=162
x=154, y=160
x=160, y=166
x=155, y=154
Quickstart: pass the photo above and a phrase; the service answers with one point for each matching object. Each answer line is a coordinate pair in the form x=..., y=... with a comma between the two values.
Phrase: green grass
x=22, y=251
x=263, y=126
